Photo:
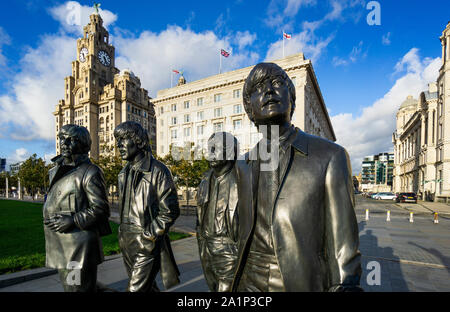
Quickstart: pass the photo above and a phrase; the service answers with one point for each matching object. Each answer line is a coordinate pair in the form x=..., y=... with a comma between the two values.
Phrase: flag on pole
x=224, y=53
x=287, y=36
x=175, y=71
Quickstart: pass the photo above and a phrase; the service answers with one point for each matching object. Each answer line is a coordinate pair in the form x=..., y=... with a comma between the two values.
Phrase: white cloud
x=353, y=56
x=4, y=40
x=73, y=16
x=19, y=154
x=304, y=42
x=386, y=39
x=244, y=39
x=35, y=90
x=371, y=132
x=152, y=56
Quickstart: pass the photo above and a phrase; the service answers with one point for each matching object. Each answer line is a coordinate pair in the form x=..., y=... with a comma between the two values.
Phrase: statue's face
x=270, y=101
x=127, y=148
x=216, y=155
x=70, y=145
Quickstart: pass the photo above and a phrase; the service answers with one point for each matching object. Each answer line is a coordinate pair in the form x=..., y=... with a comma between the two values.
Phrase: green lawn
x=22, y=243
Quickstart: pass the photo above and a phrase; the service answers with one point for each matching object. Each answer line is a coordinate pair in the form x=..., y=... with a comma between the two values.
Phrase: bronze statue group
x=264, y=224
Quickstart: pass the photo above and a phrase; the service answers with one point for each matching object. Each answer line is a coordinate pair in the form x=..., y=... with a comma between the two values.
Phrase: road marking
x=193, y=280
x=432, y=265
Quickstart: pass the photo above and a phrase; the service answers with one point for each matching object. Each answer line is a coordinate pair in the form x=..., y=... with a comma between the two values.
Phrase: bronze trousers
x=261, y=273
x=142, y=260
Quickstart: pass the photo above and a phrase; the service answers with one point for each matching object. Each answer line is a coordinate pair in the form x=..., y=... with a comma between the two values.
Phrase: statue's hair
x=259, y=73
x=81, y=134
x=134, y=131
x=231, y=153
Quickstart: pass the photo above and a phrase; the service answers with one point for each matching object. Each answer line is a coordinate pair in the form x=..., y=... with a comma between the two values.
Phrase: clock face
x=104, y=58
x=83, y=54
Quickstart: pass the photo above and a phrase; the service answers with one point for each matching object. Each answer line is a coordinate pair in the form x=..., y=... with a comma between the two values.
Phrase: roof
x=410, y=101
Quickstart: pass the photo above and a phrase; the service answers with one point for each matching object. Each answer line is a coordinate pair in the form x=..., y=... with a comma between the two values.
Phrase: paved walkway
x=112, y=273
x=412, y=256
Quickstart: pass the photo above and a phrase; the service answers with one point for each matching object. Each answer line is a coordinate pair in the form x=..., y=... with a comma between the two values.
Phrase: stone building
x=422, y=137
x=191, y=112
x=98, y=96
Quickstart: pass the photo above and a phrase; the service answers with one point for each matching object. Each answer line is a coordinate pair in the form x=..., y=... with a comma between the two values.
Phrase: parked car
x=385, y=195
x=373, y=195
x=406, y=198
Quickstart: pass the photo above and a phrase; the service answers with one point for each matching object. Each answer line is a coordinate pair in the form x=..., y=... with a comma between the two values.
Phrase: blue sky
x=364, y=71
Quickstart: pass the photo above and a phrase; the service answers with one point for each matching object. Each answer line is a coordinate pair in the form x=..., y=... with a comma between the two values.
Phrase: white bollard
x=436, y=220
x=411, y=217
x=367, y=214
x=388, y=218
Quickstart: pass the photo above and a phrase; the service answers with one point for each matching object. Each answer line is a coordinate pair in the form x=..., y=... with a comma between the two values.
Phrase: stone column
x=19, y=188
x=448, y=48
x=7, y=188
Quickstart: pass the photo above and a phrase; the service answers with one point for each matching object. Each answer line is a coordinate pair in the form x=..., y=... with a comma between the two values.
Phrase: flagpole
x=220, y=61
x=283, y=43
x=171, y=78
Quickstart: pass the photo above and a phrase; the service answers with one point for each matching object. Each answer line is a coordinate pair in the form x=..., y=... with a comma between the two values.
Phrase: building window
x=217, y=98
x=187, y=132
x=187, y=118
x=161, y=110
x=218, y=126
x=200, y=130
x=236, y=94
x=186, y=104
x=200, y=102
x=218, y=112
x=173, y=133
x=200, y=115
x=174, y=107
x=162, y=149
x=161, y=135
x=174, y=120
x=237, y=124
x=237, y=109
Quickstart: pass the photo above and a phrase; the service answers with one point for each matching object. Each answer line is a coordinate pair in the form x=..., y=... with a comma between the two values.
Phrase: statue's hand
x=63, y=224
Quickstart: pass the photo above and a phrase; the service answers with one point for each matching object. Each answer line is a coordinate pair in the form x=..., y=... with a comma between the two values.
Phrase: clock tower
x=99, y=96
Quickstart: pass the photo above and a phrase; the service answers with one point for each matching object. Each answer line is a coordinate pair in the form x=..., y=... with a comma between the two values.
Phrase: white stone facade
x=422, y=138
x=191, y=112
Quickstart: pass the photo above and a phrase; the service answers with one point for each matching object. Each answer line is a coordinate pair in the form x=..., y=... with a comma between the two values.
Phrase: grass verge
x=22, y=243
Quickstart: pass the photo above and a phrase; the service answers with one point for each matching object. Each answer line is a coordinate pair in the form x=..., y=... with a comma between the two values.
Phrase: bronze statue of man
x=148, y=206
x=301, y=232
x=217, y=222
x=76, y=212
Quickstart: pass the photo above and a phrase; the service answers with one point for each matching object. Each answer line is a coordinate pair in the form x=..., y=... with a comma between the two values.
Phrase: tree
x=33, y=174
x=186, y=172
x=111, y=166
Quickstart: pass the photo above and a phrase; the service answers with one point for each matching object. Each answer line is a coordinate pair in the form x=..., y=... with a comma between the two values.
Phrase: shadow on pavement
x=374, y=256
x=444, y=259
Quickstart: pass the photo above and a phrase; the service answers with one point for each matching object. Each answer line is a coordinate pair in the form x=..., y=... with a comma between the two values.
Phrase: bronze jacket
x=156, y=201
x=314, y=227
x=231, y=219
x=80, y=192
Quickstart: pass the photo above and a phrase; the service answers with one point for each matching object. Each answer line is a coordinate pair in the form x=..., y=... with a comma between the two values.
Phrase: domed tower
x=181, y=80
x=406, y=110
